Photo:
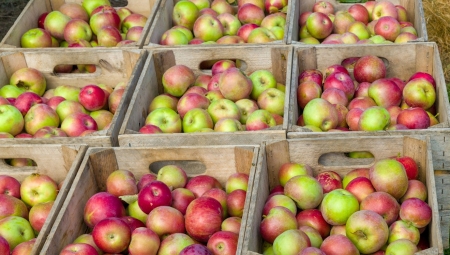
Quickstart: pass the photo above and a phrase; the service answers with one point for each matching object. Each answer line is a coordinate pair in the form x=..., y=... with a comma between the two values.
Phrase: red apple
x=165, y=220
x=223, y=243
x=369, y=68
x=383, y=204
x=329, y=180
x=112, y=235
x=202, y=183
x=121, y=183
x=360, y=187
x=154, y=194
x=203, y=218
x=100, y=206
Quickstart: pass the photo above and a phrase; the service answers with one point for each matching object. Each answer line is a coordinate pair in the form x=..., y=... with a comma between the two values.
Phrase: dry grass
x=437, y=17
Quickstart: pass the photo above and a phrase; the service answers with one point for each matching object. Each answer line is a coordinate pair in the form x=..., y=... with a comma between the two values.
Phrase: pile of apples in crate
x=202, y=21
x=29, y=110
x=227, y=101
x=371, y=102
x=167, y=214
x=371, y=22
x=93, y=23
x=381, y=210
x=24, y=208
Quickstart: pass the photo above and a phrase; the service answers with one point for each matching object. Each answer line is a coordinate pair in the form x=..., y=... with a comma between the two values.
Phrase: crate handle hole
x=346, y=158
x=18, y=162
x=70, y=70
x=191, y=167
x=206, y=66
x=121, y=3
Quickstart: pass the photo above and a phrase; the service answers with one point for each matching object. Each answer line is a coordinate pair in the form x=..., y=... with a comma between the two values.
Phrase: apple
x=102, y=19
x=223, y=242
x=369, y=68
x=384, y=8
x=261, y=35
x=292, y=241
x=419, y=92
x=15, y=230
x=196, y=119
x=143, y=241
x=306, y=91
x=234, y=85
x=154, y=194
x=323, y=7
x=163, y=100
x=388, y=27
x=402, y=230
x=203, y=218
x=338, y=244
x=77, y=123
x=414, y=118
x=246, y=107
x=305, y=190
x=279, y=220
x=222, y=6
x=55, y=22
x=166, y=119
x=237, y=181
x=41, y=20
x=314, y=236
x=261, y=80
x=373, y=119
x=424, y=75
x=177, y=79
x=175, y=243
x=29, y=79
x=87, y=239
x=121, y=183
x=314, y=219
x=312, y=251
x=341, y=22
x=11, y=119
x=221, y=196
x=360, y=187
x=329, y=180
x=165, y=220
x=131, y=21
x=36, y=38
x=320, y=113
x=68, y=107
x=411, y=168
x=201, y=183
x=335, y=96
x=274, y=6
x=190, y=101
x=272, y=100
x=208, y=28
x=250, y=14
x=134, y=33
x=415, y=189
x=289, y=170
x=100, y=206
x=111, y=235
x=133, y=210
x=12, y=206
x=195, y=249
x=363, y=103
x=279, y=200
x=77, y=29
x=415, y=212
x=202, y=80
x=236, y=202
x=185, y=14
x=367, y=230
x=404, y=245
x=78, y=248
x=405, y=37
x=245, y=30
x=173, y=176
x=230, y=23
x=174, y=37
x=259, y=120
x=276, y=23
x=9, y=186
x=319, y=25
x=383, y=204
x=385, y=93
x=74, y=11
x=103, y=118
x=389, y=175
x=68, y=92
x=108, y=36
x=359, y=12
x=231, y=224
x=223, y=108
x=338, y=205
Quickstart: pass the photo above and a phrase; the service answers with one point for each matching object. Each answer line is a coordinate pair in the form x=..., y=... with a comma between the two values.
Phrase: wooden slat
x=414, y=11
x=276, y=59
x=220, y=162
x=30, y=14
x=310, y=151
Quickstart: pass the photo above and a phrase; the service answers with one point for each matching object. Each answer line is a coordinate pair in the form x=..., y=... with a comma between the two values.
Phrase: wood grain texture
x=59, y=162
x=30, y=14
x=414, y=11
x=219, y=161
x=310, y=150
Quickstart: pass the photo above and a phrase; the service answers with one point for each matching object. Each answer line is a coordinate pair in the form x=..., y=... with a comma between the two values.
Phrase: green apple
x=230, y=23
x=272, y=100
x=36, y=38
x=11, y=120
x=291, y=241
x=305, y=190
x=90, y=5
x=68, y=92
x=135, y=211
x=246, y=107
x=320, y=113
x=166, y=119
x=196, y=119
x=163, y=100
x=29, y=79
x=38, y=188
x=55, y=22
x=10, y=91
x=185, y=13
x=208, y=28
x=228, y=125
x=67, y=107
x=223, y=108
x=338, y=205
x=260, y=119
x=374, y=118
x=261, y=80
x=16, y=230
x=39, y=116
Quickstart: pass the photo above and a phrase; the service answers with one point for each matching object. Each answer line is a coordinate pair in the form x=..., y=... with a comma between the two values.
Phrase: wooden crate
x=217, y=161
x=60, y=162
x=414, y=9
x=163, y=22
x=324, y=154
x=113, y=67
x=276, y=59
x=29, y=17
